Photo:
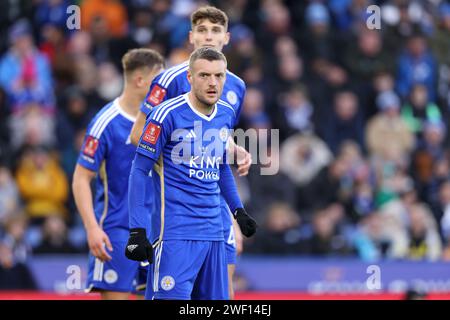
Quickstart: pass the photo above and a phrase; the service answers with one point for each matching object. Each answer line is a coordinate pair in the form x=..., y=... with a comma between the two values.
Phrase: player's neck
x=130, y=102
x=200, y=106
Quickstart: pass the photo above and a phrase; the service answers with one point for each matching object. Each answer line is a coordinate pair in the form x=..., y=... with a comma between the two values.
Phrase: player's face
x=209, y=34
x=207, y=79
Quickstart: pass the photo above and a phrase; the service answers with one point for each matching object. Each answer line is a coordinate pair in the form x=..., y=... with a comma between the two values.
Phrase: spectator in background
x=5, y=133
x=268, y=189
x=243, y=51
x=9, y=194
x=441, y=49
x=370, y=239
x=419, y=109
x=51, y=12
x=400, y=24
x=386, y=132
x=14, y=237
x=54, y=46
x=427, y=155
x=86, y=78
x=442, y=216
x=349, y=13
x=327, y=186
x=281, y=234
x=42, y=184
x=326, y=238
x=54, y=237
x=395, y=216
x=416, y=65
x=25, y=73
x=295, y=112
x=276, y=23
x=362, y=202
x=253, y=110
x=290, y=70
x=322, y=49
x=14, y=272
x=106, y=47
x=318, y=40
x=112, y=12
x=369, y=57
x=79, y=44
x=10, y=12
x=142, y=29
x=72, y=117
x=14, y=275
x=441, y=173
x=381, y=82
x=439, y=41
x=32, y=127
x=302, y=157
x=345, y=121
x=423, y=234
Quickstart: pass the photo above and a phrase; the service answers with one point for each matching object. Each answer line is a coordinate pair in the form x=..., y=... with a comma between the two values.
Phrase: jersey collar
x=201, y=115
x=122, y=111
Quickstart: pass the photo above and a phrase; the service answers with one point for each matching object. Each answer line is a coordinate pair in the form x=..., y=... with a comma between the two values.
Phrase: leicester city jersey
x=173, y=82
x=107, y=149
x=189, y=150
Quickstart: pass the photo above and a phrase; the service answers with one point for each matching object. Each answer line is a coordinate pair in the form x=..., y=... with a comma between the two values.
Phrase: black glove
x=246, y=223
x=138, y=247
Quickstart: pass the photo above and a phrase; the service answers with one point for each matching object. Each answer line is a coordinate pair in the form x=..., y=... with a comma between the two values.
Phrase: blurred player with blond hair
x=107, y=155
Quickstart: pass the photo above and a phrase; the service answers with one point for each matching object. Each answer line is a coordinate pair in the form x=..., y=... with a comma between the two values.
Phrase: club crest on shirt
x=232, y=97
x=151, y=134
x=90, y=146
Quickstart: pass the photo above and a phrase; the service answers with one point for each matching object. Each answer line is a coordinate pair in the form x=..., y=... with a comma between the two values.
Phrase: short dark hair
x=139, y=58
x=206, y=53
x=210, y=13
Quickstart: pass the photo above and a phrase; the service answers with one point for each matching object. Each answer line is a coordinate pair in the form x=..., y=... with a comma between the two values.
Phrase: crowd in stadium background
x=363, y=118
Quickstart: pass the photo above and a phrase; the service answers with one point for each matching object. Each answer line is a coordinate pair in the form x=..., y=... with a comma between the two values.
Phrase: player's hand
x=97, y=241
x=247, y=224
x=244, y=160
x=138, y=247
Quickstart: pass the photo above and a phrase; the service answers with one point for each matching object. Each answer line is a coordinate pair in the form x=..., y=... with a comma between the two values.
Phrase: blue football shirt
x=107, y=149
x=188, y=148
x=173, y=82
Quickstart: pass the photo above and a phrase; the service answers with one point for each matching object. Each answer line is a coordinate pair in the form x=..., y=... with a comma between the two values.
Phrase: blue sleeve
x=138, y=182
x=155, y=96
x=228, y=188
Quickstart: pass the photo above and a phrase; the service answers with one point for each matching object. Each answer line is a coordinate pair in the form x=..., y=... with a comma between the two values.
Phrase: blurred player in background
x=209, y=29
x=186, y=227
x=107, y=153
